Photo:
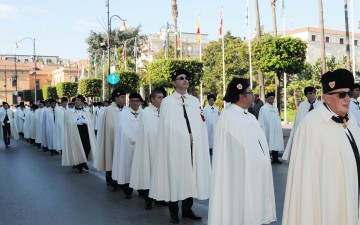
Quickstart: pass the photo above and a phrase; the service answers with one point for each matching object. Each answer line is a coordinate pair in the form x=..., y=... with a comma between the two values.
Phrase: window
x=341, y=41
x=13, y=81
x=37, y=83
x=76, y=79
x=313, y=38
x=327, y=39
x=26, y=60
x=355, y=42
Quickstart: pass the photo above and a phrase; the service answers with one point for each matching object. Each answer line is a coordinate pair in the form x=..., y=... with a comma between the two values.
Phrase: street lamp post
x=34, y=60
x=122, y=28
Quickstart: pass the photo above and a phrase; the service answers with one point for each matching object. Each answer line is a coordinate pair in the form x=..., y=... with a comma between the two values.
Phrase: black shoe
x=174, y=219
x=86, y=167
x=161, y=203
x=115, y=188
x=7, y=146
x=127, y=196
x=148, y=206
x=191, y=215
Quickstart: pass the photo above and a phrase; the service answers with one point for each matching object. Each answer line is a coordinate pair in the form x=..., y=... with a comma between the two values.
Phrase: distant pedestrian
x=256, y=105
x=354, y=103
x=211, y=114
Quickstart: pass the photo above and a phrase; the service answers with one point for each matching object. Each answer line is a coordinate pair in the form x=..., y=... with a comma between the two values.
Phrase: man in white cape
x=8, y=128
x=79, y=139
x=354, y=103
x=182, y=163
x=242, y=190
x=323, y=177
x=106, y=135
x=304, y=108
x=39, y=123
x=20, y=119
x=270, y=122
x=59, y=127
x=125, y=137
x=145, y=147
x=211, y=114
x=49, y=124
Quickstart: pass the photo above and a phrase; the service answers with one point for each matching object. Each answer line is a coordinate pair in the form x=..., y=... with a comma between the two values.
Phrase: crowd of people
x=164, y=150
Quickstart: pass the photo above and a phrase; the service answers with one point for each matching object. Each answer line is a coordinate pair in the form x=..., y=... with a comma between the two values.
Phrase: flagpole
x=200, y=41
x=353, y=38
x=103, y=75
x=285, y=76
x=223, y=51
x=249, y=43
x=180, y=41
x=124, y=54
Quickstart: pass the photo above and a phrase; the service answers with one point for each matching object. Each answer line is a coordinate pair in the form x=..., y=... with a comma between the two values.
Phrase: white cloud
x=11, y=12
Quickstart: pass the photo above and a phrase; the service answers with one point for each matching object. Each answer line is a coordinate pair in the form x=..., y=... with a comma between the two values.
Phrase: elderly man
x=323, y=177
x=211, y=114
x=126, y=131
x=182, y=163
x=304, y=108
x=106, y=135
x=145, y=147
x=354, y=103
x=242, y=187
x=270, y=121
x=256, y=106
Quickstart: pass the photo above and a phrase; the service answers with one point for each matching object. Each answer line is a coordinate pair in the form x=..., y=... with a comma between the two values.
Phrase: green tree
x=66, y=89
x=159, y=72
x=128, y=81
x=279, y=55
x=50, y=92
x=236, y=63
x=90, y=87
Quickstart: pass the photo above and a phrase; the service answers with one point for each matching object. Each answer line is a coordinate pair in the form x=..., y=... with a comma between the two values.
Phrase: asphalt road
x=36, y=190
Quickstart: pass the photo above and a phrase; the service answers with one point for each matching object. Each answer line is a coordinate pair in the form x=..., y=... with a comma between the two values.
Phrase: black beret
x=64, y=99
x=51, y=100
x=340, y=78
x=235, y=88
x=117, y=92
x=5, y=103
x=161, y=89
x=356, y=85
x=210, y=96
x=309, y=89
x=179, y=72
x=269, y=94
x=82, y=98
x=135, y=95
x=42, y=102
x=21, y=104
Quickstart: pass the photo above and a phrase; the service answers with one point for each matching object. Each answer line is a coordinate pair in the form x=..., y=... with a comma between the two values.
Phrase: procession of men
x=175, y=151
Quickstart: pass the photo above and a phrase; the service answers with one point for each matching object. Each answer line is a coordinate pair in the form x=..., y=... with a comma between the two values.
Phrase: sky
x=60, y=27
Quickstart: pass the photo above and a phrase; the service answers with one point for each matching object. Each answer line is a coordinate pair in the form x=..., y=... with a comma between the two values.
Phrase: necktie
x=158, y=111
x=135, y=114
x=357, y=103
x=54, y=113
x=311, y=106
x=185, y=115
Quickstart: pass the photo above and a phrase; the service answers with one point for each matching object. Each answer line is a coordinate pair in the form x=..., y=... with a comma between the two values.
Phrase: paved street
x=36, y=190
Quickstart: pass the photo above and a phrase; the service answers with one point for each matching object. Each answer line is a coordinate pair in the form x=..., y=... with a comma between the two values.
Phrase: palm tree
x=322, y=42
x=175, y=15
x=258, y=34
x=347, y=35
x=273, y=11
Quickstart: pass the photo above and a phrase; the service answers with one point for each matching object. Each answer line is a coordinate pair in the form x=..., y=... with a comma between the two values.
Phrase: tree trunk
x=175, y=14
x=296, y=100
x=278, y=91
x=322, y=41
x=258, y=34
x=347, y=35
x=273, y=11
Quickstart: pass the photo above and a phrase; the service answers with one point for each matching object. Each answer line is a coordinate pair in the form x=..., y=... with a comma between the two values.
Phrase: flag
x=95, y=61
x=165, y=42
x=102, y=58
x=247, y=14
x=221, y=24
x=124, y=53
x=115, y=56
x=198, y=32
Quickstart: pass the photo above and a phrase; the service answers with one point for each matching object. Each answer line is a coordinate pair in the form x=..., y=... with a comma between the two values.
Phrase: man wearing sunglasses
x=354, y=103
x=304, y=108
x=323, y=177
x=182, y=163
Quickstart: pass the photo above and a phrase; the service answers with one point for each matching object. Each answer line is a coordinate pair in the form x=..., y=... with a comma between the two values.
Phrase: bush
x=66, y=89
x=49, y=92
x=90, y=87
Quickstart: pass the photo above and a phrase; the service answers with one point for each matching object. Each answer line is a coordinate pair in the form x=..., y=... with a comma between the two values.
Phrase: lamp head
x=123, y=26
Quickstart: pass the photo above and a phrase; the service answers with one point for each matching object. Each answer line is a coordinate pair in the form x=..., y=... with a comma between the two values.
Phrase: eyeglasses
x=341, y=94
x=182, y=78
x=309, y=93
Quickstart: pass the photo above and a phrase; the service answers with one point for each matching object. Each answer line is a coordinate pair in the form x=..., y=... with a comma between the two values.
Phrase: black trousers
x=185, y=207
x=85, y=141
x=145, y=195
x=127, y=189
x=6, y=133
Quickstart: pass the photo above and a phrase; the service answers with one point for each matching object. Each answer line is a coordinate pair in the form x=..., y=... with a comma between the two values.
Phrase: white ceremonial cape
x=242, y=190
x=73, y=151
x=125, y=137
x=176, y=176
x=20, y=119
x=355, y=109
x=301, y=112
x=28, y=125
x=44, y=138
x=211, y=114
x=145, y=147
x=95, y=117
x=322, y=182
x=105, y=139
x=58, y=137
x=49, y=126
x=13, y=128
x=39, y=115
x=270, y=122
